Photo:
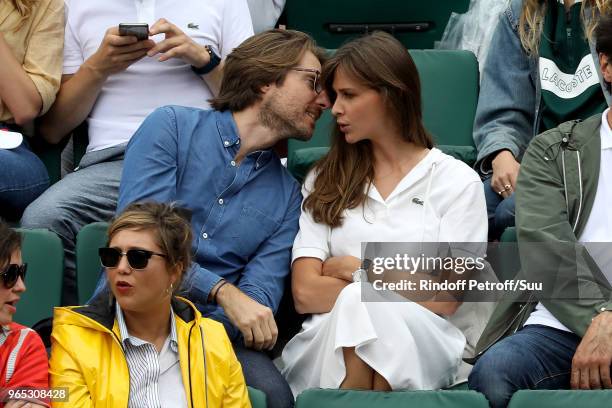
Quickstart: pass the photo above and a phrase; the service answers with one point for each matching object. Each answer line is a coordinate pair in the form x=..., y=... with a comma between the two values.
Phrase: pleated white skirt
x=411, y=347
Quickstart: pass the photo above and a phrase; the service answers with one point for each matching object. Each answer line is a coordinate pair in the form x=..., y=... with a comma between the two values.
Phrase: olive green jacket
x=555, y=193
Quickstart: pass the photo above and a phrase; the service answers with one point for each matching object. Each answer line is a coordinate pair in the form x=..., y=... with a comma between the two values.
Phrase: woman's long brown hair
x=382, y=63
x=532, y=20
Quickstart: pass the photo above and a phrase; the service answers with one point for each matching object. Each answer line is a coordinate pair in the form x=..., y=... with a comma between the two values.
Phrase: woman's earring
x=170, y=289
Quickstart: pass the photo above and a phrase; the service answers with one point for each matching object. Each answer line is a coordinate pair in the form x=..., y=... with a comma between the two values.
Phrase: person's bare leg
x=379, y=383
x=359, y=375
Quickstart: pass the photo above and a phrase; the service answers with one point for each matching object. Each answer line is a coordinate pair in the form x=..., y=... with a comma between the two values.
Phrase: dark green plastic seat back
x=449, y=92
x=42, y=250
x=332, y=23
x=300, y=161
x=258, y=398
x=320, y=398
x=90, y=238
x=561, y=399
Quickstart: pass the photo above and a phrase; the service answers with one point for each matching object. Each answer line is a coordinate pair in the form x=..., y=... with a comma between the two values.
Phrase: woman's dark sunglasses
x=137, y=258
x=11, y=273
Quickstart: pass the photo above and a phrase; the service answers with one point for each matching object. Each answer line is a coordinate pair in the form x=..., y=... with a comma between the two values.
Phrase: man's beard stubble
x=278, y=121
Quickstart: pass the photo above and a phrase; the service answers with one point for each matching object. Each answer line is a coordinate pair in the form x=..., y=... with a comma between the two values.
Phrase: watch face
x=357, y=275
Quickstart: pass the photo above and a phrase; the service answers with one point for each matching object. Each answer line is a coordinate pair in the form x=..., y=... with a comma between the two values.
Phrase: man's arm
x=79, y=91
x=543, y=220
x=542, y=217
x=149, y=173
x=235, y=27
x=251, y=304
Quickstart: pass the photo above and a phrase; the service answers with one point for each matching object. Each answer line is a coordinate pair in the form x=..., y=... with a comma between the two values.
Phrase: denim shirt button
x=205, y=235
x=225, y=143
x=233, y=163
x=220, y=201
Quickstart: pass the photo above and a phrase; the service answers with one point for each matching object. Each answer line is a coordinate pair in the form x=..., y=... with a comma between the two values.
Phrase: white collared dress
x=440, y=200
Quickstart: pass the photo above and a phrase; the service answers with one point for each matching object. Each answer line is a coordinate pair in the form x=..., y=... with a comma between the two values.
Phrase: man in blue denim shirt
x=245, y=204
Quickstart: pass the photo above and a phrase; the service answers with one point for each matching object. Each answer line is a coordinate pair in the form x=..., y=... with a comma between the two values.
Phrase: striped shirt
x=155, y=378
x=23, y=361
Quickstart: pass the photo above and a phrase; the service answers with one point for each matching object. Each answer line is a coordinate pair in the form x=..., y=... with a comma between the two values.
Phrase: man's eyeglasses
x=316, y=85
x=137, y=258
x=11, y=273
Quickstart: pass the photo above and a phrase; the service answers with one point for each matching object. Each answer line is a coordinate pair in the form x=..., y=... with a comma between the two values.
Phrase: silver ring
x=507, y=187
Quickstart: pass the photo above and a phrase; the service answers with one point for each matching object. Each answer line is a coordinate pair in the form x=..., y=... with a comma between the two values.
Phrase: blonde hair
x=169, y=223
x=24, y=8
x=532, y=21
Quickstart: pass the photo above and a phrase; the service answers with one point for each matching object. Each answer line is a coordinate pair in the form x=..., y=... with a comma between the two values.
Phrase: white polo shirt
x=129, y=96
x=598, y=227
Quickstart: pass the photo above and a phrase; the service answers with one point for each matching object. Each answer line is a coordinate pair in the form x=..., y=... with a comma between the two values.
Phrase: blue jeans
x=23, y=177
x=261, y=373
x=536, y=358
x=87, y=195
x=500, y=210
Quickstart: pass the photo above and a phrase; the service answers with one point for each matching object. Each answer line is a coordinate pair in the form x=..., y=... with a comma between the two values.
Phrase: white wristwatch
x=360, y=275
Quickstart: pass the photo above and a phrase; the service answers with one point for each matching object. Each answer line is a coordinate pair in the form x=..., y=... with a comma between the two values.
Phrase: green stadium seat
x=325, y=398
x=449, y=91
x=42, y=250
x=417, y=24
x=51, y=154
x=258, y=398
x=561, y=399
x=509, y=235
x=300, y=161
x=89, y=239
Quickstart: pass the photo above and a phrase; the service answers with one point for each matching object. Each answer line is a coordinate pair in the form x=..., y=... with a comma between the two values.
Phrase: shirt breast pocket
x=251, y=230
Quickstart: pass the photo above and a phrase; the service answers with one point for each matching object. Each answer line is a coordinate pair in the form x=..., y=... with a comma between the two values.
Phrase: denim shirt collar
x=228, y=131
x=230, y=139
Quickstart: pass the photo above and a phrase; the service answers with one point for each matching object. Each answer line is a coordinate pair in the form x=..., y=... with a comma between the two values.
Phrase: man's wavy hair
x=260, y=60
x=531, y=21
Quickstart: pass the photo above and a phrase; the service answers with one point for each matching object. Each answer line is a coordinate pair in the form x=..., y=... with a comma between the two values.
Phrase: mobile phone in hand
x=138, y=30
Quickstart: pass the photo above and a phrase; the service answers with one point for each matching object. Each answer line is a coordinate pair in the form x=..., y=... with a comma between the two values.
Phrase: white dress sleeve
x=466, y=219
x=312, y=239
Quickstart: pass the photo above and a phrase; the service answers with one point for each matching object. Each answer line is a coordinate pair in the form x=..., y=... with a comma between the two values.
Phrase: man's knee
x=278, y=394
x=44, y=212
x=491, y=377
x=261, y=373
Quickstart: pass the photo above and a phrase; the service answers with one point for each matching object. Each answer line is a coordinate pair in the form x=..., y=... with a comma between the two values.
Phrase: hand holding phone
x=117, y=52
x=138, y=30
x=177, y=44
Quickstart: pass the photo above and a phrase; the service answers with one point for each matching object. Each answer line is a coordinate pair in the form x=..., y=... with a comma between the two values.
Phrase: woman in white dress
x=382, y=181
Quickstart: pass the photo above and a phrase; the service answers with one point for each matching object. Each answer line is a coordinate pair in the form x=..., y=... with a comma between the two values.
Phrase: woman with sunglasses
x=23, y=359
x=137, y=344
